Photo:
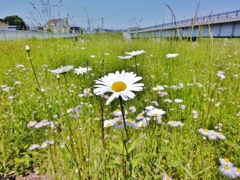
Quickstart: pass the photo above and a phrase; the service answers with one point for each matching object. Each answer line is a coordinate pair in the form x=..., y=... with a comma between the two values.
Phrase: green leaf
x=133, y=145
x=177, y=163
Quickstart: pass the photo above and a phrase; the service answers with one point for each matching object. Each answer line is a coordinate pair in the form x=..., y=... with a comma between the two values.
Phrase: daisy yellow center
x=167, y=178
x=118, y=86
x=142, y=124
x=108, y=124
x=226, y=160
x=226, y=168
x=238, y=170
x=205, y=130
x=117, y=110
x=155, y=114
x=119, y=122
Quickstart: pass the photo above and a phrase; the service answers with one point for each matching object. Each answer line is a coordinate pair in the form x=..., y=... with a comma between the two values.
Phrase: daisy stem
x=135, y=58
x=102, y=121
x=85, y=80
x=123, y=115
x=65, y=79
x=39, y=87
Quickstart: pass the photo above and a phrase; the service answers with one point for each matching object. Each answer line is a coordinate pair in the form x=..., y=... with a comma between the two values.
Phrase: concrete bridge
x=222, y=25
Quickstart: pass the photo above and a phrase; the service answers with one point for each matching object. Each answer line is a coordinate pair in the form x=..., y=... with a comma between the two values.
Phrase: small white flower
x=158, y=88
x=34, y=146
x=81, y=70
x=142, y=123
x=212, y=135
x=237, y=171
x=44, y=144
x=155, y=112
x=226, y=161
x=221, y=74
x=175, y=123
x=178, y=100
x=204, y=132
x=228, y=171
x=166, y=177
x=118, y=123
x=117, y=112
x=108, y=123
x=220, y=135
x=172, y=55
x=31, y=123
x=132, y=109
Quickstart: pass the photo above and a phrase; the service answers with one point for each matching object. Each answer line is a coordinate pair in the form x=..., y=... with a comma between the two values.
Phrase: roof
x=55, y=21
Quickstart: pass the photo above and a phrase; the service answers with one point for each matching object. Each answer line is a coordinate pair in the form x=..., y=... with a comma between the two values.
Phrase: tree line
x=15, y=21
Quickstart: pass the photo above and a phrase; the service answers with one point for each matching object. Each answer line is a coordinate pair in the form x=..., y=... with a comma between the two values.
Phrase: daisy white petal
x=119, y=84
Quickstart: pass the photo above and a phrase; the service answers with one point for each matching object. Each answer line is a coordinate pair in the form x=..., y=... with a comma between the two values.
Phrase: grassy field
x=57, y=127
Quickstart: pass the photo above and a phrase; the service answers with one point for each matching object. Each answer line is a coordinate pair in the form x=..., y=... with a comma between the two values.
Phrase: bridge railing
x=211, y=17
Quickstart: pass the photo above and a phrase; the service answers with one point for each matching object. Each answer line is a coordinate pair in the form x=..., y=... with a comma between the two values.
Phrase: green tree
x=15, y=21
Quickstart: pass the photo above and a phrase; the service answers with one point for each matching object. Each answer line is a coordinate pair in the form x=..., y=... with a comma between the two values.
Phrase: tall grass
x=82, y=149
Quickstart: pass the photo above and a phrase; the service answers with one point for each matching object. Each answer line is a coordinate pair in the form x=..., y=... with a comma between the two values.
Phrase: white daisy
x=62, y=69
x=124, y=57
x=204, y=132
x=118, y=123
x=212, y=135
x=225, y=161
x=220, y=135
x=81, y=70
x=142, y=123
x=175, y=123
x=221, y=74
x=155, y=112
x=158, y=88
x=108, y=123
x=119, y=84
x=166, y=177
x=31, y=123
x=34, y=146
x=237, y=171
x=117, y=112
x=228, y=171
x=135, y=53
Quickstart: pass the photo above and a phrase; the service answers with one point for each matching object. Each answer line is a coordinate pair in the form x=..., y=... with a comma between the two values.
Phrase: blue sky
x=116, y=14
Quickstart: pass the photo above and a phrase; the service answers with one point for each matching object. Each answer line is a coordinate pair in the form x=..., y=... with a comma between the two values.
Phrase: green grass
x=79, y=150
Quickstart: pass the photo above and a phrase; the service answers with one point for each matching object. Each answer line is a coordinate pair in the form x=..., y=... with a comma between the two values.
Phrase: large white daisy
x=119, y=84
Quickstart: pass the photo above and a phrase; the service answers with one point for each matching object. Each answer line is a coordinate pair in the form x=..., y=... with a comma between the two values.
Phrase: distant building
x=3, y=26
x=57, y=26
x=75, y=30
x=12, y=27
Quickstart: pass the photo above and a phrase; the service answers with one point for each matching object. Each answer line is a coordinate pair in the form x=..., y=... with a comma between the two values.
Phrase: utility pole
x=88, y=25
x=102, y=22
x=163, y=17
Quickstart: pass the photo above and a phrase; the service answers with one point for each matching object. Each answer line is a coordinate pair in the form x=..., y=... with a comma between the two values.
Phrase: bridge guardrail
x=211, y=17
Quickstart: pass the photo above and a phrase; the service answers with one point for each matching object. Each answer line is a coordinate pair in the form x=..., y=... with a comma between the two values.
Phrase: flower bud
x=27, y=48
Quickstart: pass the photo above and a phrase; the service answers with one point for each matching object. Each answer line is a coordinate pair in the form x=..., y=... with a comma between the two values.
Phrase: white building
x=57, y=26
